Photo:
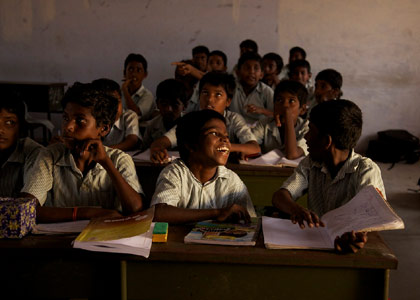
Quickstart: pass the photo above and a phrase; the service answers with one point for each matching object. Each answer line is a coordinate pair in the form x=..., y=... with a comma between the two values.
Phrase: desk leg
x=123, y=264
x=386, y=284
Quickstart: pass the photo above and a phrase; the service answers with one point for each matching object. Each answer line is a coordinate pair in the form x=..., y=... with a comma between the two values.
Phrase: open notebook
x=273, y=158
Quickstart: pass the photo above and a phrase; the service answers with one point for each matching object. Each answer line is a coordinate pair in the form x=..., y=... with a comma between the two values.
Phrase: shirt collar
x=350, y=166
x=67, y=160
x=140, y=91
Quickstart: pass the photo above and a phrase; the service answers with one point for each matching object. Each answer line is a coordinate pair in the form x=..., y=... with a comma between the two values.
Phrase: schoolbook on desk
x=132, y=234
x=273, y=158
x=367, y=211
x=212, y=232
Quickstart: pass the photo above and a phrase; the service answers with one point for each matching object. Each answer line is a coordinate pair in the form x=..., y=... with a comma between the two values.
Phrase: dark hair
x=276, y=58
x=221, y=54
x=249, y=56
x=200, y=49
x=227, y=81
x=340, y=119
x=250, y=44
x=331, y=76
x=109, y=86
x=299, y=63
x=297, y=49
x=103, y=106
x=293, y=87
x=10, y=102
x=171, y=90
x=135, y=57
x=190, y=127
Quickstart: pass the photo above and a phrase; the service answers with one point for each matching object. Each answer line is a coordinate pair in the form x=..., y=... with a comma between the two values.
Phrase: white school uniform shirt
x=127, y=124
x=326, y=193
x=268, y=135
x=143, y=98
x=57, y=182
x=177, y=186
x=154, y=130
x=14, y=172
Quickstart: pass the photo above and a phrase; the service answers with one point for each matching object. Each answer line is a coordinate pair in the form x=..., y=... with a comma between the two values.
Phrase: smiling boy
x=80, y=178
x=198, y=187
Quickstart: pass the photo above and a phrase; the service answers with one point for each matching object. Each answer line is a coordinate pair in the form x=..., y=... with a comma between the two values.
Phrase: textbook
x=367, y=211
x=145, y=156
x=273, y=158
x=212, y=232
x=132, y=234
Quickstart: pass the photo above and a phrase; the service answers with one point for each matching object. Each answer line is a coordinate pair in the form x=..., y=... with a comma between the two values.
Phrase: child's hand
x=251, y=108
x=234, y=213
x=159, y=156
x=350, y=242
x=93, y=150
x=300, y=214
x=287, y=116
x=182, y=68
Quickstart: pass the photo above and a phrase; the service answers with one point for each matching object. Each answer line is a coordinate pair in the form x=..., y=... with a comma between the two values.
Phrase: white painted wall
x=375, y=44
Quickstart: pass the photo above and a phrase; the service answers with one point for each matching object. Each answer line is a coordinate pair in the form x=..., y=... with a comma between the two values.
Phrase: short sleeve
x=171, y=135
x=131, y=123
x=370, y=174
x=125, y=165
x=146, y=105
x=297, y=184
x=242, y=130
x=168, y=187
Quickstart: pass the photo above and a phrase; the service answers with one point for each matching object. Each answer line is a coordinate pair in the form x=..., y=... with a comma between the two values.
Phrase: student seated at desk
x=332, y=173
x=287, y=129
x=17, y=153
x=272, y=65
x=215, y=93
x=81, y=178
x=198, y=187
x=171, y=100
x=124, y=134
x=328, y=85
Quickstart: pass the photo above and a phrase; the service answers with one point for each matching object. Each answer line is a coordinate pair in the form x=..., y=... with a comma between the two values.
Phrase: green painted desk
x=47, y=267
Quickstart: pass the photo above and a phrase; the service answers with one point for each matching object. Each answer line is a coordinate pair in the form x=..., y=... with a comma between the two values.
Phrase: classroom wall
x=375, y=44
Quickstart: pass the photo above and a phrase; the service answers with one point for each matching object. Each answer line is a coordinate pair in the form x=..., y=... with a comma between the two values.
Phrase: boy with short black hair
x=252, y=99
x=300, y=70
x=200, y=55
x=17, y=152
x=136, y=96
x=171, y=100
x=81, y=178
x=216, y=91
x=295, y=53
x=124, y=134
x=332, y=173
x=328, y=85
x=248, y=46
x=287, y=129
x=198, y=187
x=272, y=65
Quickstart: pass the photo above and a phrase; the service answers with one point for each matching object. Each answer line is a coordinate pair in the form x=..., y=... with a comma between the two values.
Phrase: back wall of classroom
x=374, y=44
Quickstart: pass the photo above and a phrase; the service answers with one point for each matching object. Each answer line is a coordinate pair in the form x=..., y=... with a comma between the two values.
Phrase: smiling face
x=9, y=129
x=250, y=73
x=213, y=145
x=214, y=98
x=135, y=73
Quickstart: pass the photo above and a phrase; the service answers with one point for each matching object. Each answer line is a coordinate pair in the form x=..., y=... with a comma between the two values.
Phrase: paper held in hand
x=132, y=234
x=145, y=156
x=367, y=211
x=273, y=158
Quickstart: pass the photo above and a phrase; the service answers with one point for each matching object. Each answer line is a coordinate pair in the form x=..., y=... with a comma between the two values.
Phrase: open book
x=132, y=234
x=274, y=158
x=367, y=211
x=145, y=156
x=212, y=232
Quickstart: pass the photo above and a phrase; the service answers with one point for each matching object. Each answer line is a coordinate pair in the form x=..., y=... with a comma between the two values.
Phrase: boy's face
x=135, y=73
x=317, y=143
x=269, y=67
x=9, y=129
x=213, y=146
x=169, y=110
x=295, y=56
x=287, y=103
x=324, y=91
x=301, y=75
x=216, y=64
x=200, y=61
x=244, y=50
x=250, y=73
x=79, y=126
x=214, y=97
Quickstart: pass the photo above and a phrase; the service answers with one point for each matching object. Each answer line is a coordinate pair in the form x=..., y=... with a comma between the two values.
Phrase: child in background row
x=328, y=85
x=81, y=178
x=216, y=91
x=17, y=152
x=198, y=187
x=252, y=98
x=332, y=173
x=287, y=129
x=124, y=134
x=272, y=66
x=300, y=70
x=136, y=96
x=200, y=56
x=295, y=53
x=246, y=46
x=171, y=100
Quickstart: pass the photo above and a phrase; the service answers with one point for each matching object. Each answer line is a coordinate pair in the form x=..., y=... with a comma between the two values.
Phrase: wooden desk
x=47, y=267
x=261, y=181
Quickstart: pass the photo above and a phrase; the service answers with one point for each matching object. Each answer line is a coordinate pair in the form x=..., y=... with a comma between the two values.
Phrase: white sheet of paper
x=145, y=156
x=60, y=228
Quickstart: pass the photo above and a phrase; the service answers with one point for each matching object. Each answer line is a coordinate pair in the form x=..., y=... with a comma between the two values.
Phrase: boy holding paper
x=333, y=173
